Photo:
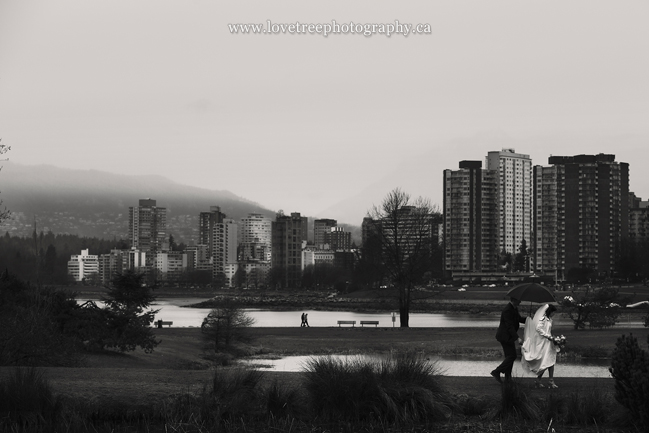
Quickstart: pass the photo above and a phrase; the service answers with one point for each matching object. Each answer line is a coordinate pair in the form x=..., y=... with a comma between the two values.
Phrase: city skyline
x=166, y=89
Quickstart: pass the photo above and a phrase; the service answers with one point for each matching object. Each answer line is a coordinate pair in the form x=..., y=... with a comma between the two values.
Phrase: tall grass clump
x=403, y=388
x=231, y=395
x=590, y=408
x=283, y=402
x=27, y=402
x=585, y=408
x=516, y=403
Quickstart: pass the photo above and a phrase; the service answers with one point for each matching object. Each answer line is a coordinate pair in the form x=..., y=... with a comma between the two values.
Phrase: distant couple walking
x=539, y=352
x=305, y=320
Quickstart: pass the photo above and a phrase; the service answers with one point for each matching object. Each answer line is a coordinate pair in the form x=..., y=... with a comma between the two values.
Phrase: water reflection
x=454, y=366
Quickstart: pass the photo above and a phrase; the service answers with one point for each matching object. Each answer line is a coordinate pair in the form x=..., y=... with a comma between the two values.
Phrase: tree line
x=41, y=325
x=43, y=258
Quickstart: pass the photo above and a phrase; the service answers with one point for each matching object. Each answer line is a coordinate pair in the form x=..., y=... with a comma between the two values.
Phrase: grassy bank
x=114, y=385
x=181, y=361
x=172, y=389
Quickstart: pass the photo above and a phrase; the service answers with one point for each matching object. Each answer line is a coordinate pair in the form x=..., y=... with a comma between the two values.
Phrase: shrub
x=285, y=402
x=27, y=401
x=232, y=395
x=472, y=406
x=29, y=332
x=403, y=388
x=597, y=308
x=515, y=403
x=630, y=368
x=236, y=393
x=226, y=324
x=593, y=407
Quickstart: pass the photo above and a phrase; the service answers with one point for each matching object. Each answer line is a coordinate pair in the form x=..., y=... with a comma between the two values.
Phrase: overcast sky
x=300, y=122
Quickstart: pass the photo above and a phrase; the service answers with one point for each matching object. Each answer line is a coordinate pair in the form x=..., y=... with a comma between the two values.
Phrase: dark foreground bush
x=398, y=395
x=403, y=388
x=594, y=407
x=27, y=402
x=516, y=403
x=231, y=395
x=630, y=368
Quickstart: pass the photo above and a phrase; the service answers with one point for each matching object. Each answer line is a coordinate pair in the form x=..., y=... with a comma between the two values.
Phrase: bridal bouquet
x=560, y=341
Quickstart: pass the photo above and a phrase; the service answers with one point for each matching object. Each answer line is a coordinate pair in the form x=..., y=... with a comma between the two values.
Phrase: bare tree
x=225, y=324
x=405, y=229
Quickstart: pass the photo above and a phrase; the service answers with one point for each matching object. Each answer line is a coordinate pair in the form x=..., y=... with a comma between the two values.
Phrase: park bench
x=346, y=322
x=370, y=322
x=162, y=323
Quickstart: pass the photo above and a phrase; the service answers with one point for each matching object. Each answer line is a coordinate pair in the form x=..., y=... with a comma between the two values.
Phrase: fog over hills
x=95, y=203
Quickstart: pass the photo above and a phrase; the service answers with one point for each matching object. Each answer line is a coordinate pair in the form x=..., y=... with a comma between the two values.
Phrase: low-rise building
x=82, y=266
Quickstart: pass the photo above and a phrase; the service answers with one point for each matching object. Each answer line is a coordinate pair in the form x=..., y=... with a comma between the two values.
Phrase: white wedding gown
x=538, y=352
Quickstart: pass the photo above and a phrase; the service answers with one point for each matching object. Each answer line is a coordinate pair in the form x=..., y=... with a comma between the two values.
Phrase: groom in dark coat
x=507, y=334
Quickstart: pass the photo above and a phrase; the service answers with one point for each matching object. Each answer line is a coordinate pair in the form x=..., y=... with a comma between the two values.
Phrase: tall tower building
x=471, y=219
x=638, y=219
x=591, y=196
x=206, y=223
x=543, y=248
x=287, y=237
x=255, y=237
x=320, y=229
x=147, y=229
x=515, y=198
x=225, y=250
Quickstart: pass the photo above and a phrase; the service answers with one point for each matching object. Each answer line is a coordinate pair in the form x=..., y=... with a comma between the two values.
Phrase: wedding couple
x=539, y=352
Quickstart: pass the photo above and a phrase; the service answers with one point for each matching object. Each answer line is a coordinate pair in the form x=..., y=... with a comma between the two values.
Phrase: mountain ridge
x=95, y=203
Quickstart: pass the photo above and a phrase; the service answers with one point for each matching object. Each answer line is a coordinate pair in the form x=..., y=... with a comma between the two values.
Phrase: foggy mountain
x=95, y=203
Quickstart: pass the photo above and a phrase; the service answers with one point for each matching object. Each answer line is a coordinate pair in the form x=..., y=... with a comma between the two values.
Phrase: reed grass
x=516, y=403
x=27, y=402
x=398, y=394
x=403, y=388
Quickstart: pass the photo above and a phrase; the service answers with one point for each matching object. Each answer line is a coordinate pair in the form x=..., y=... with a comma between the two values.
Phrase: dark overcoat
x=510, y=321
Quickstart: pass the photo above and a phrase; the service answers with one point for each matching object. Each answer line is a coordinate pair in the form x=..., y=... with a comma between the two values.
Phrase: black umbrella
x=533, y=292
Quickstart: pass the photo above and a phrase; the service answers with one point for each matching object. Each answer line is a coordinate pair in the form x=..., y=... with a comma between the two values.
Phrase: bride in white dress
x=538, y=349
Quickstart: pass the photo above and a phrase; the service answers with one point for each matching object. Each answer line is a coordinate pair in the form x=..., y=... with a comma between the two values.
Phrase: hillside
x=95, y=204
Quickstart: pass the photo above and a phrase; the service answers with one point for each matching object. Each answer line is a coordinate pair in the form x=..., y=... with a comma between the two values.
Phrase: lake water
x=175, y=310
x=457, y=366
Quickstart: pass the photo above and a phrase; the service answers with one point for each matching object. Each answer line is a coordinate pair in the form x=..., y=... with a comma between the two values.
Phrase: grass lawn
x=177, y=365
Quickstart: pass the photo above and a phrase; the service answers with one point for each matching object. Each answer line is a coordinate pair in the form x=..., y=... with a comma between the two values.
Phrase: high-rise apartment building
x=255, y=238
x=147, y=229
x=198, y=258
x=514, y=197
x=638, y=219
x=582, y=213
x=206, y=223
x=171, y=264
x=225, y=250
x=471, y=219
x=112, y=264
x=287, y=236
x=368, y=229
x=338, y=239
x=320, y=229
x=543, y=246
